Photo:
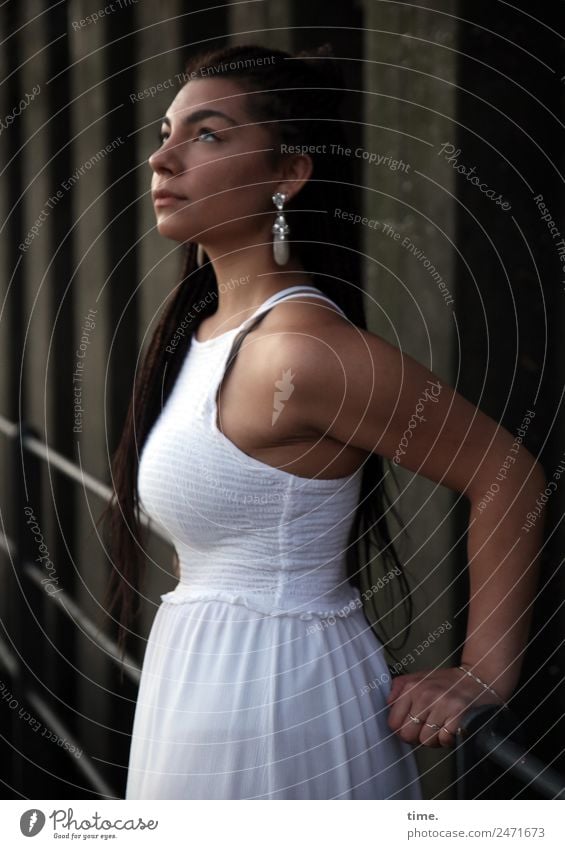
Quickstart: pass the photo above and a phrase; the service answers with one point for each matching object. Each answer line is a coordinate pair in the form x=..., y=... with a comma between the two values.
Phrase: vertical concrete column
x=161, y=66
x=11, y=277
x=38, y=245
x=261, y=23
x=87, y=373
x=37, y=253
x=410, y=102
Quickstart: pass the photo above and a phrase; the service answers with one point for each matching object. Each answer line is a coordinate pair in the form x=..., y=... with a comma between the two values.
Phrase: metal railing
x=18, y=657
x=488, y=734
x=491, y=735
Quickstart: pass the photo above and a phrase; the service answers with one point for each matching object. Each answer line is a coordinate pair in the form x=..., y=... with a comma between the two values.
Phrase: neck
x=248, y=276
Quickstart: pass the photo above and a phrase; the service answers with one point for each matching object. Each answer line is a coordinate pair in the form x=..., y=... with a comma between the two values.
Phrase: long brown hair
x=299, y=97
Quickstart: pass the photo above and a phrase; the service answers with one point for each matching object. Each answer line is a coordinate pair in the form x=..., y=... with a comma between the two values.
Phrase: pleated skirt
x=237, y=704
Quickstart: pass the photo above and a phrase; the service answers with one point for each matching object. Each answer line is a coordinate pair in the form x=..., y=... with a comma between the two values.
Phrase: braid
x=300, y=97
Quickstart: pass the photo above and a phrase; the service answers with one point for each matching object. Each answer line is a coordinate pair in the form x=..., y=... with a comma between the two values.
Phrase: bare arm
x=503, y=560
x=357, y=388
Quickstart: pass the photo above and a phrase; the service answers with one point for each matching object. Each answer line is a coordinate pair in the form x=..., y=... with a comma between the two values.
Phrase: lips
x=165, y=197
x=165, y=194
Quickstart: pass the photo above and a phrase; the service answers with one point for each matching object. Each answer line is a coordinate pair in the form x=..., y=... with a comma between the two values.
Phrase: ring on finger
x=433, y=725
x=414, y=718
x=457, y=731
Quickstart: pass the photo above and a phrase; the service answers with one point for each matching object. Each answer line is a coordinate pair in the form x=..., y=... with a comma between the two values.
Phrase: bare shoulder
x=299, y=333
x=311, y=350
x=307, y=314
x=287, y=351
x=314, y=336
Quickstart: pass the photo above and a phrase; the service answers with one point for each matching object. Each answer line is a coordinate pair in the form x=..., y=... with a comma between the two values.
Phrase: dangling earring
x=199, y=255
x=280, y=231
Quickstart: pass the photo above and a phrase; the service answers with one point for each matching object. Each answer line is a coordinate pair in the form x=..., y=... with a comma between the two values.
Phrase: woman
x=261, y=417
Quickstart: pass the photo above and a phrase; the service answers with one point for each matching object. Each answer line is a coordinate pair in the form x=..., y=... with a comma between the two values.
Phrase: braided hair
x=299, y=98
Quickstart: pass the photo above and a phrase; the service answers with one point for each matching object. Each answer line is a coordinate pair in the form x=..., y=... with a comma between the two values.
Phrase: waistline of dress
x=186, y=595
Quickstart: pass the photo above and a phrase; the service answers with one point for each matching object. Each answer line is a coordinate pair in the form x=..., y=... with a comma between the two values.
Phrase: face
x=216, y=165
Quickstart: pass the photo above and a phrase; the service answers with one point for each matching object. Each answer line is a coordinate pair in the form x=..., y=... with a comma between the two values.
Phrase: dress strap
x=260, y=312
x=251, y=321
x=291, y=292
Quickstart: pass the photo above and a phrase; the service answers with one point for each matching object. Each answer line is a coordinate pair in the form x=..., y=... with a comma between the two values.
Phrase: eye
x=207, y=132
x=202, y=131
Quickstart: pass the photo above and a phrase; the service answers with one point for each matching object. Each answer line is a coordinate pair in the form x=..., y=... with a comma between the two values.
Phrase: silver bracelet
x=482, y=683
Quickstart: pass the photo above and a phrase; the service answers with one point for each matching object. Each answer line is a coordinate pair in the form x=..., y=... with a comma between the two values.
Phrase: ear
x=294, y=171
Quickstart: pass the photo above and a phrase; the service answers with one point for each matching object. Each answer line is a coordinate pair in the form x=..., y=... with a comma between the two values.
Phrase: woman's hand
x=438, y=698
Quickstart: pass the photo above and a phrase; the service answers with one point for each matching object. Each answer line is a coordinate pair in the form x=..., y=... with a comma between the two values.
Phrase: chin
x=170, y=230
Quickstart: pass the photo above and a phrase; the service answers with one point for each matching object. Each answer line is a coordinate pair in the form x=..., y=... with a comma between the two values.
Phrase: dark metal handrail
x=23, y=686
x=487, y=731
x=479, y=736
x=67, y=468
x=85, y=765
x=71, y=609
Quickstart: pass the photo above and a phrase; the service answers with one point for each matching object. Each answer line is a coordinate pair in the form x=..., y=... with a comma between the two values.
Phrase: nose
x=157, y=162
x=164, y=159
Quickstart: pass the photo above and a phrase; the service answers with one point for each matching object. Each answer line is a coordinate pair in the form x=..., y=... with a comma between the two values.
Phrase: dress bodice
x=242, y=528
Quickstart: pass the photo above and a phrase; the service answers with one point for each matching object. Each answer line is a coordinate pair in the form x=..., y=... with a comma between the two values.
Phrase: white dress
x=262, y=678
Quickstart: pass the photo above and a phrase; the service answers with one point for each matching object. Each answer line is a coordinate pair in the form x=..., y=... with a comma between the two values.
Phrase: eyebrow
x=199, y=115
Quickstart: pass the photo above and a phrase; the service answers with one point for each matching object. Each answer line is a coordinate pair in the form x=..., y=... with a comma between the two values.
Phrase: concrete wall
x=409, y=109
